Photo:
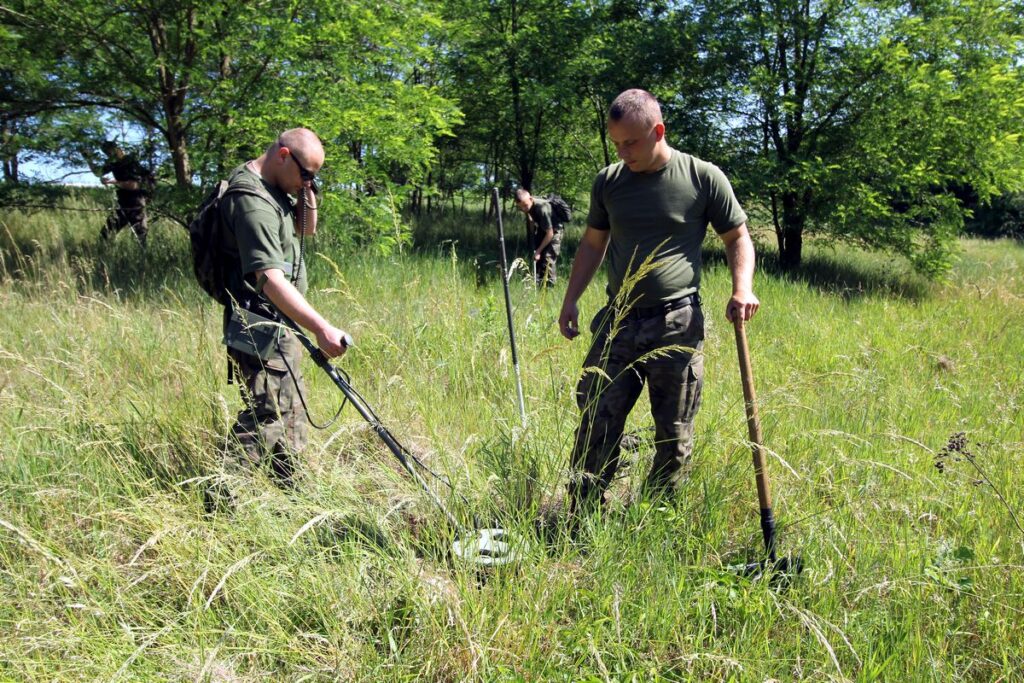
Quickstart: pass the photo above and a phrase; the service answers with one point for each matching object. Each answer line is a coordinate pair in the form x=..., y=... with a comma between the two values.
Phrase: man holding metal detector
x=649, y=213
x=264, y=231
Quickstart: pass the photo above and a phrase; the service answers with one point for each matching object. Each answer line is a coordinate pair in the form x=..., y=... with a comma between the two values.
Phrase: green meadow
x=892, y=408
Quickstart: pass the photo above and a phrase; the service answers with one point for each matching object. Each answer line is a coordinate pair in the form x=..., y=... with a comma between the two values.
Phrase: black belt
x=641, y=312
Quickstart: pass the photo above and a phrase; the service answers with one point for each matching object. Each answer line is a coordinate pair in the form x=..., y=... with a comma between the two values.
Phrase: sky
x=42, y=171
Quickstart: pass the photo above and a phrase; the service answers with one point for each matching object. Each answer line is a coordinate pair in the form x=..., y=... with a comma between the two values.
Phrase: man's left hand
x=536, y=256
x=745, y=304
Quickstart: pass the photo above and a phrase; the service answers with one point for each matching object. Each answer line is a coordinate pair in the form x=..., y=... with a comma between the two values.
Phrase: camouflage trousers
x=271, y=429
x=615, y=371
x=545, y=267
x=123, y=216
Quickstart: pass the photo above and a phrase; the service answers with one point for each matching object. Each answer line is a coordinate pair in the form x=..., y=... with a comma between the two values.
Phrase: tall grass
x=113, y=405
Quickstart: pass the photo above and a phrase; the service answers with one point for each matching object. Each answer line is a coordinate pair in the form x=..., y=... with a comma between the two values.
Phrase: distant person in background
x=547, y=235
x=134, y=183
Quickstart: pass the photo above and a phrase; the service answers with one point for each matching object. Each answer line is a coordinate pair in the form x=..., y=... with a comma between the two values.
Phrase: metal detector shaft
x=320, y=359
x=508, y=307
x=764, y=495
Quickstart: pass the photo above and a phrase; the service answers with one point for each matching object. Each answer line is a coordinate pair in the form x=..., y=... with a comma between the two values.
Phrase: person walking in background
x=654, y=204
x=546, y=230
x=134, y=183
x=262, y=248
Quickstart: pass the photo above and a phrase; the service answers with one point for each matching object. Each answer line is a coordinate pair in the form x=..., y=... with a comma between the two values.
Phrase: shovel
x=786, y=565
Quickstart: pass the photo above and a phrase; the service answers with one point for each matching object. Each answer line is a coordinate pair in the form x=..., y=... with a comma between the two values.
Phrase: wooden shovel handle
x=764, y=495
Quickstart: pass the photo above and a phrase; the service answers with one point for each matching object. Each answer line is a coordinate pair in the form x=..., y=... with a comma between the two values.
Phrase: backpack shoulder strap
x=260, y=192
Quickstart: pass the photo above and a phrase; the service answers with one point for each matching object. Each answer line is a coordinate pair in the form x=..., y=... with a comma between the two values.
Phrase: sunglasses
x=306, y=175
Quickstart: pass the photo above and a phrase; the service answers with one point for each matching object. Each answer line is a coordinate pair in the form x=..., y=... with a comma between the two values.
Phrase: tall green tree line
x=210, y=83
x=860, y=120
x=880, y=122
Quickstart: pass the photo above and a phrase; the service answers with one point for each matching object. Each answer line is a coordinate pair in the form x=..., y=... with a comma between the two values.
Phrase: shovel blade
x=779, y=572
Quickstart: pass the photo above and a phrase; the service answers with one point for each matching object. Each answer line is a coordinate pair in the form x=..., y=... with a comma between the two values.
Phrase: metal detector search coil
x=488, y=548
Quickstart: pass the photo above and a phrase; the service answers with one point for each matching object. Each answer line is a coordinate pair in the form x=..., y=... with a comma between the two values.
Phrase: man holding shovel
x=649, y=214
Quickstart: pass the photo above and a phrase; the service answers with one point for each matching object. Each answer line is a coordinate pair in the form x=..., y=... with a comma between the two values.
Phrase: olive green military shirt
x=261, y=234
x=542, y=214
x=664, y=213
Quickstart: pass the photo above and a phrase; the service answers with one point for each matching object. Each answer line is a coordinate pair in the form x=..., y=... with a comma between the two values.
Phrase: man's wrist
x=320, y=326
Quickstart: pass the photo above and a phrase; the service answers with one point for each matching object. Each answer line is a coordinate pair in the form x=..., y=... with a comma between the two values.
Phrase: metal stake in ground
x=508, y=306
x=764, y=496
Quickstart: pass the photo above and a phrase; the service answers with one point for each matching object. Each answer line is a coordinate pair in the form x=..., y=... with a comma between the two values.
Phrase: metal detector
x=776, y=566
x=508, y=306
x=479, y=547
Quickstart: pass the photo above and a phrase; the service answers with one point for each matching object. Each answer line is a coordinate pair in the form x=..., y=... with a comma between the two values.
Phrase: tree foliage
x=857, y=118
x=880, y=122
x=214, y=82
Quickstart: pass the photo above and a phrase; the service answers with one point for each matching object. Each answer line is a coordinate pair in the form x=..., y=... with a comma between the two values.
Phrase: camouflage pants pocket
x=675, y=399
x=272, y=425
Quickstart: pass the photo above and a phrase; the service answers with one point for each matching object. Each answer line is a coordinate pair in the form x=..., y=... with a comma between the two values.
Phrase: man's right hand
x=333, y=342
x=569, y=320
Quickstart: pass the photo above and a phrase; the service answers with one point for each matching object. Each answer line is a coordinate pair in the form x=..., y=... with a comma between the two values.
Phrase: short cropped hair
x=636, y=105
x=521, y=195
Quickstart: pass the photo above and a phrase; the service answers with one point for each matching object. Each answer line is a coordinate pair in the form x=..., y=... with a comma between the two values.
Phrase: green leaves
x=865, y=118
x=216, y=82
x=856, y=119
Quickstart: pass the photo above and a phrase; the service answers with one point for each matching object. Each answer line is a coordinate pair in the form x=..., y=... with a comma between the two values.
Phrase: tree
x=509, y=63
x=854, y=118
x=213, y=82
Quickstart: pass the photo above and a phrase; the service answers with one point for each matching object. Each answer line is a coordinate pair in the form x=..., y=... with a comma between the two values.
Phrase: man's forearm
x=290, y=301
x=739, y=254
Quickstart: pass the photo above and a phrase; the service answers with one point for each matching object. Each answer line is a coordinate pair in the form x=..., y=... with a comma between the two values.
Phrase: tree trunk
x=11, y=158
x=174, y=89
x=791, y=233
x=602, y=128
x=11, y=170
x=179, y=153
x=524, y=160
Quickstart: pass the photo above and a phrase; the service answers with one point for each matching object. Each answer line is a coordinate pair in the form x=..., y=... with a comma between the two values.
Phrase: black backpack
x=559, y=209
x=206, y=237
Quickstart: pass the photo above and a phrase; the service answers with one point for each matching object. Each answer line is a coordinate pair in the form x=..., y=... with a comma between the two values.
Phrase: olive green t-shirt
x=672, y=205
x=543, y=216
x=261, y=234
